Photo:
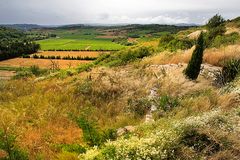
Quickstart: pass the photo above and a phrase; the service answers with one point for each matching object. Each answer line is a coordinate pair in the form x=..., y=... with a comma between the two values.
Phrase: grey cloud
x=115, y=11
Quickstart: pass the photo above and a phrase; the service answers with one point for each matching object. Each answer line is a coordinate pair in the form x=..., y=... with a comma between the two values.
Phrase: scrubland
x=76, y=113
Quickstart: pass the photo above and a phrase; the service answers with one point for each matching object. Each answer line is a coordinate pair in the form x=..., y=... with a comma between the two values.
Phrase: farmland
x=42, y=63
x=100, y=38
x=78, y=39
x=78, y=44
x=71, y=53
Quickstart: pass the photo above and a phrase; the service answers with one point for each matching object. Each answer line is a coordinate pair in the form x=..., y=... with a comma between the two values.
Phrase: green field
x=79, y=44
x=78, y=39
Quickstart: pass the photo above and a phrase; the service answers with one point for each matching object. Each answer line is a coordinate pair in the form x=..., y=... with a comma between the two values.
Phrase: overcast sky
x=55, y=12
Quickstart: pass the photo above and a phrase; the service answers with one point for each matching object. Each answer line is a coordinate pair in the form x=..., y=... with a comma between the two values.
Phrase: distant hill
x=24, y=27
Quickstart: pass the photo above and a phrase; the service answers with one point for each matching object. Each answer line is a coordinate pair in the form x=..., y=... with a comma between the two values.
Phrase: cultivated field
x=78, y=39
x=79, y=44
x=42, y=63
x=71, y=53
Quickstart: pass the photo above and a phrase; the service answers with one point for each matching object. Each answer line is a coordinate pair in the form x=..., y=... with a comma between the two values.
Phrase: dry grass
x=37, y=139
x=42, y=63
x=211, y=56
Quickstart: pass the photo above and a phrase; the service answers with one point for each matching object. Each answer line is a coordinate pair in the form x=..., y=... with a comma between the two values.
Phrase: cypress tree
x=193, y=69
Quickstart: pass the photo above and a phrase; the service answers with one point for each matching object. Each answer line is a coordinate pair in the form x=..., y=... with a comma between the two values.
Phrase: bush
x=25, y=56
x=23, y=74
x=72, y=148
x=169, y=42
x=166, y=103
x=35, y=56
x=7, y=143
x=139, y=107
x=92, y=135
x=193, y=69
x=35, y=70
x=215, y=21
x=216, y=28
x=225, y=40
x=231, y=69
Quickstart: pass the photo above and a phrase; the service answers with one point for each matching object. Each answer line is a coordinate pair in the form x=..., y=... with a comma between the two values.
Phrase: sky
x=59, y=12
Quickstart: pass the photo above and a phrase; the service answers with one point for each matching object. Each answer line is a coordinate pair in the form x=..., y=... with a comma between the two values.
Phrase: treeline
x=35, y=56
x=14, y=43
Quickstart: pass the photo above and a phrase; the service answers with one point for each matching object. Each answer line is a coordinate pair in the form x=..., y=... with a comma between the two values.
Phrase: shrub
x=25, y=56
x=215, y=21
x=85, y=67
x=72, y=148
x=35, y=70
x=23, y=74
x=7, y=143
x=35, y=56
x=225, y=40
x=90, y=133
x=171, y=43
x=193, y=69
x=215, y=27
x=139, y=107
x=231, y=69
x=166, y=103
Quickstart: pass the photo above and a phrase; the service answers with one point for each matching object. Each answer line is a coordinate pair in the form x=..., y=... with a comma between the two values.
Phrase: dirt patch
x=42, y=63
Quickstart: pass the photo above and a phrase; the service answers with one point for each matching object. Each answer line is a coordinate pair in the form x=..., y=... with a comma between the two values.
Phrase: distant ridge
x=24, y=27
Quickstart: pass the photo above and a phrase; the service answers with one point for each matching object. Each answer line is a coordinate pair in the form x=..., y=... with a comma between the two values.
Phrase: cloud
x=115, y=11
x=161, y=19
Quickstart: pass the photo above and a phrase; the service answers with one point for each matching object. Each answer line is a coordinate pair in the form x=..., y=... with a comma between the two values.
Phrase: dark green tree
x=216, y=27
x=215, y=21
x=193, y=69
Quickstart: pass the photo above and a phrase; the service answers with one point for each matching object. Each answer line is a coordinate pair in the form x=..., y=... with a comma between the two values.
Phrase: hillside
x=135, y=103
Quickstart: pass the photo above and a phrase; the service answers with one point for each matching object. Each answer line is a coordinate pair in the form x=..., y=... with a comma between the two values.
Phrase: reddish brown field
x=71, y=53
x=42, y=63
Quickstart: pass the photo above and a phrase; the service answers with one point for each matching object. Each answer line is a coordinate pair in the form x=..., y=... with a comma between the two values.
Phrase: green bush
x=35, y=56
x=23, y=74
x=7, y=144
x=171, y=43
x=92, y=135
x=231, y=69
x=193, y=69
x=216, y=27
x=215, y=21
x=139, y=107
x=167, y=103
x=225, y=40
x=35, y=70
x=72, y=148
